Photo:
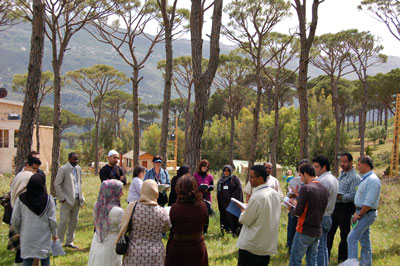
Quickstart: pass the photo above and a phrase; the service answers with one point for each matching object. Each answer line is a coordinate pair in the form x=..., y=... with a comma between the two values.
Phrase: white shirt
x=332, y=185
x=134, y=189
x=259, y=234
x=271, y=182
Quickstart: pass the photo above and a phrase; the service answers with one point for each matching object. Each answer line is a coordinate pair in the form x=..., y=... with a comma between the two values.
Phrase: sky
x=333, y=16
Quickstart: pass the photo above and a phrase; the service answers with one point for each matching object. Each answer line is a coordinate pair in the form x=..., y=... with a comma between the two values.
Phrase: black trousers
x=341, y=218
x=249, y=259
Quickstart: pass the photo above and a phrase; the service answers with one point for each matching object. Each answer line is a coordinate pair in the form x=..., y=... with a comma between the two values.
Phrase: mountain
x=85, y=51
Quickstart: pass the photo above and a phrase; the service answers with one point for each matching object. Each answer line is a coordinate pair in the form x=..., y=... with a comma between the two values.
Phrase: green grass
x=222, y=249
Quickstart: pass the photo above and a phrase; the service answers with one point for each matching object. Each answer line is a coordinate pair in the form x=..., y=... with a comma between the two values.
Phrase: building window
x=4, y=138
x=16, y=138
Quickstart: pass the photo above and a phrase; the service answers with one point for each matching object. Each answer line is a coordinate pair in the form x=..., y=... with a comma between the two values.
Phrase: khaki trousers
x=68, y=219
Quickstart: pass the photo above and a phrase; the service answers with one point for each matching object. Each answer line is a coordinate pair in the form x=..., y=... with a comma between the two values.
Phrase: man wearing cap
x=112, y=170
x=367, y=202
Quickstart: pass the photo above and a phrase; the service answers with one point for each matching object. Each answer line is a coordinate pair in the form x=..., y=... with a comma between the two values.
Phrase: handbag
x=5, y=202
x=122, y=245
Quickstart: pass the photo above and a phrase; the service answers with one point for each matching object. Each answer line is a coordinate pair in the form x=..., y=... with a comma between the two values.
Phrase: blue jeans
x=291, y=229
x=322, y=254
x=43, y=262
x=361, y=233
x=303, y=244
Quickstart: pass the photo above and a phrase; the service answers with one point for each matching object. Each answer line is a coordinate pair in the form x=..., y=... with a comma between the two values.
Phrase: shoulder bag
x=122, y=245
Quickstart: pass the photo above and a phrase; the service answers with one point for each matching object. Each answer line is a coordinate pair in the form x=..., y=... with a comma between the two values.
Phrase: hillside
x=85, y=51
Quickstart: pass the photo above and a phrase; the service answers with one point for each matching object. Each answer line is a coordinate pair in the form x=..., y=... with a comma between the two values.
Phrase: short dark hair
x=322, y=161
x=307, y=168
x=367, y=160
x=301, y=162
x=259, y=170
x=348, y=155
x=31, y=161
x=186, y=189
x=71, y=154
x=138, y=170
x=203, y=163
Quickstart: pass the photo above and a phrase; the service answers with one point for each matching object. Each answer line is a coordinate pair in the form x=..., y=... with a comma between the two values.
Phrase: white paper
x=56, y=248
x=162, y=187
x=239, y=202
x=286, y=203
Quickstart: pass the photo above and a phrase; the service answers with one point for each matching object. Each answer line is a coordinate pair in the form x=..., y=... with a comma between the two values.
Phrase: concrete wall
x=7, y=154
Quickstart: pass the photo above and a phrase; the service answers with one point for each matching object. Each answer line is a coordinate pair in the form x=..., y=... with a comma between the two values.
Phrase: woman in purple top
x=205, y=183
x=204, y=178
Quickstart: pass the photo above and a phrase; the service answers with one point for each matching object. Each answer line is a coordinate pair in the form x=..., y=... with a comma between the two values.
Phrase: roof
x=11, y=102
x=129, y=155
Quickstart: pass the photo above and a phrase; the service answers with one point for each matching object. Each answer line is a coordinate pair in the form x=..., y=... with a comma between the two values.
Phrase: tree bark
x=96, y=139
x=167, y=83
x=202, y=81
x=364, y=118
x=386, y=118
x=336, y=113
x=136, y=122
x=305, y=46
x=33, y=84
x=275, y=137
x=231, y=139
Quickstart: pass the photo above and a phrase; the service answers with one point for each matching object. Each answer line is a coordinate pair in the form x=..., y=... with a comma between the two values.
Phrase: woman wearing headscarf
x=172, y=195
x=160, y=175
x=107, y=217
x=229, y=186
x=149, y=221
x=188, y=215
x=34, y=218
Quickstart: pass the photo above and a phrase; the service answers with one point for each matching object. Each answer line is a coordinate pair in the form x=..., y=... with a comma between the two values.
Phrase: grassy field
x=222, y=249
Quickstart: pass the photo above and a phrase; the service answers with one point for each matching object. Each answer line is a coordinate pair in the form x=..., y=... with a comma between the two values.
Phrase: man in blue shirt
x=344, y=208
x=366, y=202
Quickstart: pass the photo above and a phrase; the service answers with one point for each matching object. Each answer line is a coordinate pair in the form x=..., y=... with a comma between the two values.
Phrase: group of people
x=319, y=203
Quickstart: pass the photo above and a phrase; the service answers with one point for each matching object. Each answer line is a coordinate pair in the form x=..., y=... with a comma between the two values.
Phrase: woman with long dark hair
x=188, y=215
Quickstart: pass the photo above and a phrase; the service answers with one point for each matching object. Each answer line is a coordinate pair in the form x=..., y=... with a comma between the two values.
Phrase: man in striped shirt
x=310, y=208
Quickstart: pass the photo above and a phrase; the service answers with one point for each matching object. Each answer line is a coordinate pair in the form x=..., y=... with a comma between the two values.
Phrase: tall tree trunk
x=348, y=124
x=202, y=81
x=256, y=121
x=33, y=84
x=275, y=137
x=364, y=118
x=305, y=46
x=336, y=113
x=167, y=83
x=187, y=118
x=386, y=118
x=96, y=140
x=55, y=154
x=360, y=117
x=231, y=139
x=136, y=123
